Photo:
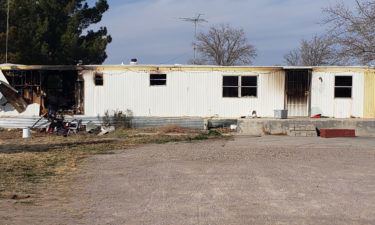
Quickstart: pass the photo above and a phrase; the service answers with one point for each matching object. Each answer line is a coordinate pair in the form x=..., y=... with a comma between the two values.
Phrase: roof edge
x=175, y=66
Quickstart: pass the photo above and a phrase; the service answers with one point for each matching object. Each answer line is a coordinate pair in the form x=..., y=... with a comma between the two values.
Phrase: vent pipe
x=133, y=62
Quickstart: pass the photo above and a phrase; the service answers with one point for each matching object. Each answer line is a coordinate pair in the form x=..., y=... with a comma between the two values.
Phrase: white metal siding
x=323, y=100
x=186, y=94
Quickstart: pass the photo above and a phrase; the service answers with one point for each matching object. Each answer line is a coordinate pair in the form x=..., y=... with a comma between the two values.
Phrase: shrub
x=118, y=119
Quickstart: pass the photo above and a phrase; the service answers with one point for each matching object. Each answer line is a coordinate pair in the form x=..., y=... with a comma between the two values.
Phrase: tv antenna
x=196, y=21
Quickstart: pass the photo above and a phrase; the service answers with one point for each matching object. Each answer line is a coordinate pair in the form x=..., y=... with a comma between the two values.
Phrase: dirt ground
x=27, y=165
x=247, y=180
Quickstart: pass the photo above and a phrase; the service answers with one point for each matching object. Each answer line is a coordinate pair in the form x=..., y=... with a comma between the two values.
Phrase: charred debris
x=58, y=90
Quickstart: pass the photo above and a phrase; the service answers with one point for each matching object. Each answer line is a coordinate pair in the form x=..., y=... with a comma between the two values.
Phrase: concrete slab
x=260, y=127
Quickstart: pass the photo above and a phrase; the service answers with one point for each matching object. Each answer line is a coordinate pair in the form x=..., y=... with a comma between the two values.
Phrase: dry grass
x=176, y=129
x=27, y=165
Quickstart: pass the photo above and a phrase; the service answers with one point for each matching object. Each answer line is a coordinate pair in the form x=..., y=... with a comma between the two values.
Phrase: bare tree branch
x=315, y=52
x=353, y=30
x=224, y=45
x=293, y=58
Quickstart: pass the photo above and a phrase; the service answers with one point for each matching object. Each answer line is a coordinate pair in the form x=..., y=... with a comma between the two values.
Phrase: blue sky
x=151, y=31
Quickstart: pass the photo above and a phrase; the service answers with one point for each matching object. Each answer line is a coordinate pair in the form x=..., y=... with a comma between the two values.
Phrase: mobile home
x=191, y=91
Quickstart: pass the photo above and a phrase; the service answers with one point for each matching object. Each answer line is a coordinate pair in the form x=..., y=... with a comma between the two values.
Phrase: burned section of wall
x=28, y=85
x=297, y=89
x=51, y=89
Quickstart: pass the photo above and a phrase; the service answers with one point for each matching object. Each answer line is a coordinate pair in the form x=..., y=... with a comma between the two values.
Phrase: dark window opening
x=240, y=86
x=249, y=86
x=343, y=92
x=249, y=81
x=248, y=92
x=230, y=92
x=158, y=79
x=342, y=81
x=99, y=81
x=230, y=86
x=230, y=81
x=343, y=86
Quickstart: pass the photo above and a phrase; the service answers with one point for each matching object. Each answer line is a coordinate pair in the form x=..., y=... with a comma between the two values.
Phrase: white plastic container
x=233, y=126
x=26, y=133
x=281, y=114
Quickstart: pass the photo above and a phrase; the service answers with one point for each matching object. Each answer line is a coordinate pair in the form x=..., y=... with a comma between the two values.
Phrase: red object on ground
x=316, y=116
x=332, y=133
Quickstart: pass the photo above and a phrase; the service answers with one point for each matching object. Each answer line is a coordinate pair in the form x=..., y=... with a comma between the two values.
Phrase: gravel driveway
x=248, y=180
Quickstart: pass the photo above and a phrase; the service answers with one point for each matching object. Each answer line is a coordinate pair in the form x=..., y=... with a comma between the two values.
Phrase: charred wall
x=51, y=89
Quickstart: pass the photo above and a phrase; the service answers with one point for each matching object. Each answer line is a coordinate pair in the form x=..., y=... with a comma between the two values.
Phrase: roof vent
x=133, y=62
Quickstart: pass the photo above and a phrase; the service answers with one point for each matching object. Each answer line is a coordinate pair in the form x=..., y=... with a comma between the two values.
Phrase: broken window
x=158, y=79
x=343, y=86
x=240, y=86
x=99, y=81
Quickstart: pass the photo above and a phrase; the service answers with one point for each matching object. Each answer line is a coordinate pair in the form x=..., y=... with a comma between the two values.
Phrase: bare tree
x=225, y=46
x=293, y=58
x=198, y=61
x=315, y=52
x=353, y=30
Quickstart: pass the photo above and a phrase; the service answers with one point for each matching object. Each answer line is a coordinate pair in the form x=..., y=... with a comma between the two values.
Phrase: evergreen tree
x=53, y=32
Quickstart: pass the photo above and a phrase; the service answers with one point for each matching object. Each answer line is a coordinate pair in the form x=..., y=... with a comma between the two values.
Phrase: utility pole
x=7, y=33
x=196, y=21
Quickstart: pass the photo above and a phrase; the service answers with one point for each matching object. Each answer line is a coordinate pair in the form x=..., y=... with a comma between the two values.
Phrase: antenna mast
x=196, y=21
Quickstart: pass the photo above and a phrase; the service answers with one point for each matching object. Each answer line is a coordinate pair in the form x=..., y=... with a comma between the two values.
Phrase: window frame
x=239, y=86
x=256, y=88
x=230, y=86
x=335, y=87
x=97, y=75
x=157, y=85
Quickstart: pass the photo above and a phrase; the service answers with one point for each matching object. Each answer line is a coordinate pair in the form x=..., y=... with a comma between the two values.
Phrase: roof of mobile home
x=179, y=67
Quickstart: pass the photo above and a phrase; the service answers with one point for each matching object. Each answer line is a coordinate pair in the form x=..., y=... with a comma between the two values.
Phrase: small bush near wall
x=118, y=119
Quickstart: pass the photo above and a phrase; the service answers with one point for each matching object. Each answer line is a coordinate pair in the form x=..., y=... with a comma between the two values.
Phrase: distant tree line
x=60, y=32
x=349, y=39
x=53, y=32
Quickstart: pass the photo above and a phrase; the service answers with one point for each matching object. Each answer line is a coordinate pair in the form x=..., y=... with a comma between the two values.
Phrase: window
x=240, y=86
x=343, y=86
x=249, y=86
x=230, y=86
x=98, y=79
x=158, y=79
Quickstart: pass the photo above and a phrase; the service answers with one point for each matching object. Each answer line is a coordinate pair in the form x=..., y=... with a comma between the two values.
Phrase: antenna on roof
x=196, y=21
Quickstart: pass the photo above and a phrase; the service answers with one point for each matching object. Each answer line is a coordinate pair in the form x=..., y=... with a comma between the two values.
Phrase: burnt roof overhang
x=40, y=67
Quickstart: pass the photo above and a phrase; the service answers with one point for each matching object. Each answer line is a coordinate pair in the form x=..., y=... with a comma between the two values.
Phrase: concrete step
x=302, y=130
x=302, y=127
